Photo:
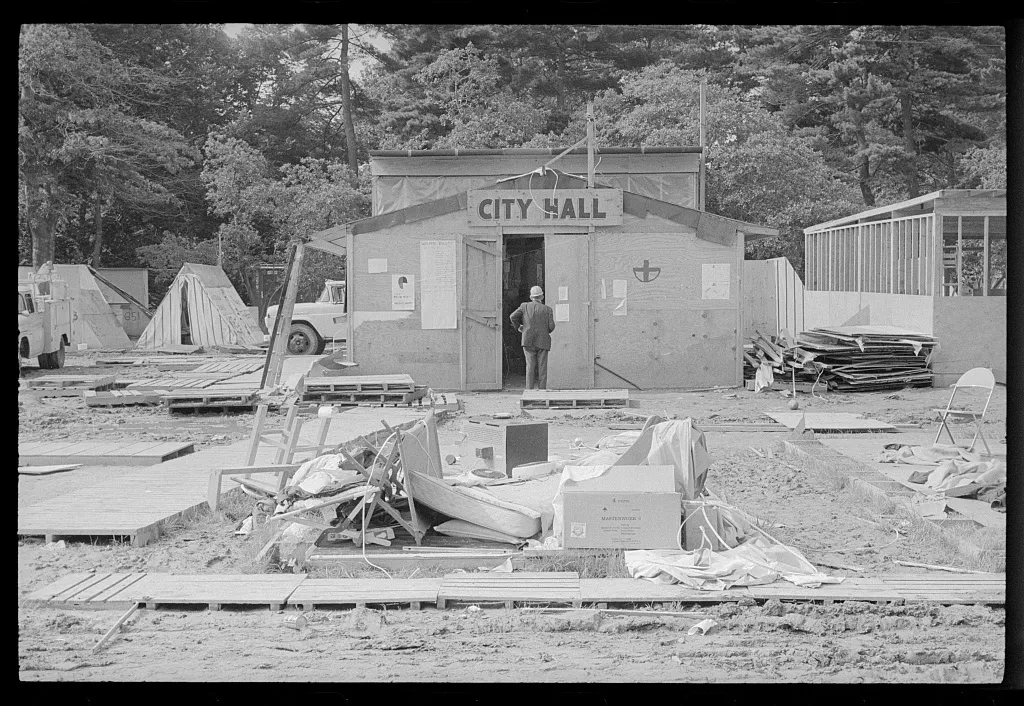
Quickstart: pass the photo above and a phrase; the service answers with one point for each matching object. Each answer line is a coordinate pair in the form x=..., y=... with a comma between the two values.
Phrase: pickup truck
x=44, y=322
x=316, y=323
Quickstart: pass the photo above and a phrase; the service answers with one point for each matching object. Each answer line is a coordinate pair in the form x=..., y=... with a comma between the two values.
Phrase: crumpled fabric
x=752, y=563
x=321, y=474
x=926, y=455
x=954, y=473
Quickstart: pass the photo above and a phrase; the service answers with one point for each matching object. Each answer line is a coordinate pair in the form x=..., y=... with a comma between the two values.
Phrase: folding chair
x=978, y=378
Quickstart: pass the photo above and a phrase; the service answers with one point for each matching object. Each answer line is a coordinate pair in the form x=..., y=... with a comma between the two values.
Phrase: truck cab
x=44, y=321
x=316, y=323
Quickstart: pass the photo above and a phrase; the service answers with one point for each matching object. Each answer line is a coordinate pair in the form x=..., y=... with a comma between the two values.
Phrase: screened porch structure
x=936, y=264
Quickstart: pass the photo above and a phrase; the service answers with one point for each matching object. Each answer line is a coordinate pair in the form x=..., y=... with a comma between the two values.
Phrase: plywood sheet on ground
x=821, y=421
x=101, y=453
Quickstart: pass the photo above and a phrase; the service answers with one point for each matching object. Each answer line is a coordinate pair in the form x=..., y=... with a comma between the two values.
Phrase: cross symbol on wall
x=646, y=270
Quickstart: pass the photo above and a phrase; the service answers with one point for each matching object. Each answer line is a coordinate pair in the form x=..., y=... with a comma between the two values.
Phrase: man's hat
x=536, y=292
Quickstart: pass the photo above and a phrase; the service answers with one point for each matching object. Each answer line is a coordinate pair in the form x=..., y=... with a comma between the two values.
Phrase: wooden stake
x=936, y=567
x=110, y=633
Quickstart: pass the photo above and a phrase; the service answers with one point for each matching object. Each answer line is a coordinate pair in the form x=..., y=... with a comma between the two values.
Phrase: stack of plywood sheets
x=850, y=358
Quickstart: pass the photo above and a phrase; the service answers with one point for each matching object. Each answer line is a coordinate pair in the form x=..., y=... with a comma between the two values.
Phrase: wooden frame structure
x=917, y=247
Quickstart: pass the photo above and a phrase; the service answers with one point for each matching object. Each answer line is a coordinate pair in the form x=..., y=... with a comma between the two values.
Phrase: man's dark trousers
x=536, y=367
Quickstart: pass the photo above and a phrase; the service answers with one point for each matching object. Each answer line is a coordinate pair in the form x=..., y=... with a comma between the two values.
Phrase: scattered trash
x=501, y=415
x=295, y=622
x=452, y=459
x=503, y=568
x=793, y=404
x=56, y=546
x=245, y=526
x=702, y=627
x=472, y=609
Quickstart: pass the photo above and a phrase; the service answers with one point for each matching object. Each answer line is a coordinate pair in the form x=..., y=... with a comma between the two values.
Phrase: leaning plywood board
x=820, y=421
x=46, y=470
x=473, y=505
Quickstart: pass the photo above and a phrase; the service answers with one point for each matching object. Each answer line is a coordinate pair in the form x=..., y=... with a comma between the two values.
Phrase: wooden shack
x=936, y=264
x=646, y=291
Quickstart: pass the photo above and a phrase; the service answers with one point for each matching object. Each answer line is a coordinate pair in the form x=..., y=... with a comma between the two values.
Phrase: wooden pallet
x=180, y=400
x=519, y=587
x=101, y=453
x=234, y=367
x=361, y=592
x=376, y=399
x=95, y=590
x=122, y=398
x=533, y=399
x=79, y=382
x=172, y=383
x=361, y=383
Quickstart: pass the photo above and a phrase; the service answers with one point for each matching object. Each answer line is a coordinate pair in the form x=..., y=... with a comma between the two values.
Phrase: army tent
x=201, y=308
x=92, y=321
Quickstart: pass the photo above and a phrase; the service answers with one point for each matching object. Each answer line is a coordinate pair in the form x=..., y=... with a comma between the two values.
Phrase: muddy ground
x=832, y=523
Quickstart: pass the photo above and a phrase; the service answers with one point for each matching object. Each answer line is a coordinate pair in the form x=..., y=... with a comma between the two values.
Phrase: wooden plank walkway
x=517, y=587
x=535, y=399
x=137, y=504
x=122, y=398
x=101, y=453
x=360, y=592
x=101, y=590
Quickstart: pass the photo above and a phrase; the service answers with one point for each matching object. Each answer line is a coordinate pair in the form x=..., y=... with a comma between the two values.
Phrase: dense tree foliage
x=157, y=144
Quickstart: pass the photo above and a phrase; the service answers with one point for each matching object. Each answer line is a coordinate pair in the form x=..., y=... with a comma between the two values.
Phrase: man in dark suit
x=536, y=321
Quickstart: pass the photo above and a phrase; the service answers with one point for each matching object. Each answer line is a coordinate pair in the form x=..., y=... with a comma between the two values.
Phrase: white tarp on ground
x=756, y=561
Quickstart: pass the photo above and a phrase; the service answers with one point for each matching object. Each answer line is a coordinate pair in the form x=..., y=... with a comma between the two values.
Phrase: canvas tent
x=93, y=323
x=203, y=304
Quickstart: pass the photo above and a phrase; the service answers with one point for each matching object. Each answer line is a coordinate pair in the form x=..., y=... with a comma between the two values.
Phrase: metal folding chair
x=981, y=378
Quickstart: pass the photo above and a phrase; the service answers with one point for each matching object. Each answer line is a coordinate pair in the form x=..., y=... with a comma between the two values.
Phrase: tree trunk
x=252, y=290
x=864, y=165
x=97, y=216
x=906, y=113
x=346, y=110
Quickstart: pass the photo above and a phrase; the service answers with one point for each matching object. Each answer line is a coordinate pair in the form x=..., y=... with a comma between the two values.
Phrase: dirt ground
x=832, y=523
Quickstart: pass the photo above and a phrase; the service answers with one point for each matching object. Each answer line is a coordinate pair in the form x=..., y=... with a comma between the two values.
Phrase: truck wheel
x=52, y=361
x=303, y=340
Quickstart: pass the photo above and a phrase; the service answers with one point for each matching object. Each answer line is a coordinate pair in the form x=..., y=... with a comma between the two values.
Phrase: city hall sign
x=543, y=207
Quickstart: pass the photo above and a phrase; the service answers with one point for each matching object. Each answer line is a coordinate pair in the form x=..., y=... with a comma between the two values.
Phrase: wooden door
x=567, y=265
x=481, y=312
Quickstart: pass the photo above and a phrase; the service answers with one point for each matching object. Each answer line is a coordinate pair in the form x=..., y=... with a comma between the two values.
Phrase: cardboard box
x=628, y=507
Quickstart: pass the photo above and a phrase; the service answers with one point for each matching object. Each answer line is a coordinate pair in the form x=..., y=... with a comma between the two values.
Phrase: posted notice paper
x=563, y=294
x=714, y=281
x=438, y=305
x=376, y=265
x=403, y=292
x=561, y=312
x=619, y=288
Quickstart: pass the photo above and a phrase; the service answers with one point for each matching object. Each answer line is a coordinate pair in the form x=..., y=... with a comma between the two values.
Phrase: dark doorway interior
x=522, y=268
x=186, y=324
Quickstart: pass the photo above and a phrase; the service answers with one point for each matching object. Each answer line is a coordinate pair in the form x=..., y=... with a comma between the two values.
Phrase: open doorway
x=522, y=268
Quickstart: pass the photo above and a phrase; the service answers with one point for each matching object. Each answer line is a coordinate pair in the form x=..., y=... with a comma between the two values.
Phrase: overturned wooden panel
x=87, y=382
x=122, y=398
x=319, y=592
x=520, y=587
x=362, y=383
x=47, y=470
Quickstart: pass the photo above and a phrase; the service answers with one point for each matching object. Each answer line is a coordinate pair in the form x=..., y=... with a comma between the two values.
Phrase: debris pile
x=848, y=358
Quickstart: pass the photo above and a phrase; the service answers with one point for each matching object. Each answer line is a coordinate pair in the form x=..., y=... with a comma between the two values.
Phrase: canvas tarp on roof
x=92, y=320
x=214, y=313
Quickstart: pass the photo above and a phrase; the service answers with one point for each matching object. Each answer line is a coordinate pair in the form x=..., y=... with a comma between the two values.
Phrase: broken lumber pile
x=846, y=358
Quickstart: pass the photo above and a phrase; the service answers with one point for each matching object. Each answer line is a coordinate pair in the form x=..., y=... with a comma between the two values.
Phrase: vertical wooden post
x=700, y=125
x=349, y=291
x=960, y=254
x=938, y=257
x=283, y=321
x=590, y=144
x=984, y=262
